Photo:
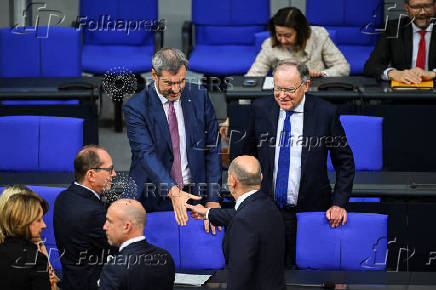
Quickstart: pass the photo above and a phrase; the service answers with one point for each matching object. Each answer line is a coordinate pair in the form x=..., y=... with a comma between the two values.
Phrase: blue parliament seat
x=355, y=22
x=198, y=250
x=190, y=247
x=27, y=52
x=130, y=46
x=359, y=245
x=365, y=137
x=40, y=144
x=224, y=35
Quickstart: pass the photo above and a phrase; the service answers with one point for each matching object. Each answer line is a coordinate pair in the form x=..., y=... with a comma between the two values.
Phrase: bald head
x=246, y=169
x=130, y=210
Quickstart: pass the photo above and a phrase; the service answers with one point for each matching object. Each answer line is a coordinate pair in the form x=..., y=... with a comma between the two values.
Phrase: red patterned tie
x=420, y=59
x=176, y=170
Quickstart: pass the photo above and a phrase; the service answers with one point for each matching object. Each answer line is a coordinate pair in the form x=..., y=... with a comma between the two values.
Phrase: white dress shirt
x=186, y=173
x=297, y=120
x=93, y=191
x=132, y=240
x=238, y=201
x=416, y=40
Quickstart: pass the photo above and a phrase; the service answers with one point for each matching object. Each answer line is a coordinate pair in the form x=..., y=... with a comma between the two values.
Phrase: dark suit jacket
x=22, y=266
x=254, y=244
x=322, y=132
x=140, y=265
x=78, y=221
x=152, y=151
x=395, y=47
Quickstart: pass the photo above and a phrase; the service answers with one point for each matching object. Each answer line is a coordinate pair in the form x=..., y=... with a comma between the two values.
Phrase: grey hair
x=302, y=69
x=246, y=178
x=168, y=59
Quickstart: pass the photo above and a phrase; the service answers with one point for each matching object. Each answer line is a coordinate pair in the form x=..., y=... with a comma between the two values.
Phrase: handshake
x=179, y=199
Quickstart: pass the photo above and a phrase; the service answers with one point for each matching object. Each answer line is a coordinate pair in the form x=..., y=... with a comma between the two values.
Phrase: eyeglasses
x=288, y=90
x=170, y=84
x=427, y=6
x=109, y=169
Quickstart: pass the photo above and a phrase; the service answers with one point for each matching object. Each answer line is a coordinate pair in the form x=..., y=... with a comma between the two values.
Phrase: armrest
x=187, y=37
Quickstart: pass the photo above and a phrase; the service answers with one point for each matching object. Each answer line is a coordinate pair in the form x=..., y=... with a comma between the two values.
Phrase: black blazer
x=395, y=47
x=140, y=265
x=254, y=244
x=22, y=266
x=322, y=132
x=78, y=221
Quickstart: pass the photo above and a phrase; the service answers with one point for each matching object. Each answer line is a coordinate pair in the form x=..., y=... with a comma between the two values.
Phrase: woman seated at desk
x=293, y=38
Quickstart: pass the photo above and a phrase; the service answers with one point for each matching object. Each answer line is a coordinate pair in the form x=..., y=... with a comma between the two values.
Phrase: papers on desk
x=191, y=280
x=268, y=84
x=403, y=86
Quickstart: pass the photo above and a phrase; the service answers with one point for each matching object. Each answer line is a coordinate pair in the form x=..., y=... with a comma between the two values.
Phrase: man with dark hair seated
x=405, y=52
x=139, y=265
x=78, y=219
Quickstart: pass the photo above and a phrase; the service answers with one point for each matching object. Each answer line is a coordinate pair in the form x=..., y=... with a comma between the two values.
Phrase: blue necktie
x=281, y=194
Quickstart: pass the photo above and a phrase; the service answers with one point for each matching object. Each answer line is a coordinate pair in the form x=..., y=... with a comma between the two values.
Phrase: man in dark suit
x=173, y=135
x=254, y=241
x=139, y=265
x=78, y=218
x=406, y=51
x=291, y=134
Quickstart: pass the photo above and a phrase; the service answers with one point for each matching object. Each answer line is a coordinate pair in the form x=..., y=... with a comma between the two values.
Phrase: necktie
x=420, y=59
x=281, y=193
x=176, y=170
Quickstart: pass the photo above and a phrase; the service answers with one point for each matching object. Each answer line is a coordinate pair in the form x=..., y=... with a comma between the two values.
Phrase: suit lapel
x=188, y=116
x=308, y=129
x=273, y=119
x=432, y=48
x=408, y=44
x=157, y=113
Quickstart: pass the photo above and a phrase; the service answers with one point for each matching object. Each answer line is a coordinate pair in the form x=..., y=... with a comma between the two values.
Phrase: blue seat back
x=162, y=231
x=361, y=244
x=199, y=250
x=190, y=247
x=365, y=137
x=355, y=22
x=46, y=52
x=221, y=22
x=141, y=12
x=37, y=143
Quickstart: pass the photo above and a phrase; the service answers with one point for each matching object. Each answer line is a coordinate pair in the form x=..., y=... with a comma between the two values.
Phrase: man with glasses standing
x=291, y=134
x=406, y=50
x=173, y=135
x=78, y=219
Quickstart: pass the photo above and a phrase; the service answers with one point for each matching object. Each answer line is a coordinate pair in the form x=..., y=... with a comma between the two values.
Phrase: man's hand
x=206, y=222
x=316, y=73
x=198, y=211
x=425, y=75
x=411, y=76
x=179, y=198
x=335, y=215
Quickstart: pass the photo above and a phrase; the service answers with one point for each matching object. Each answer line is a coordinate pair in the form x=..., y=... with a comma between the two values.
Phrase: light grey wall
x=4, y=13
